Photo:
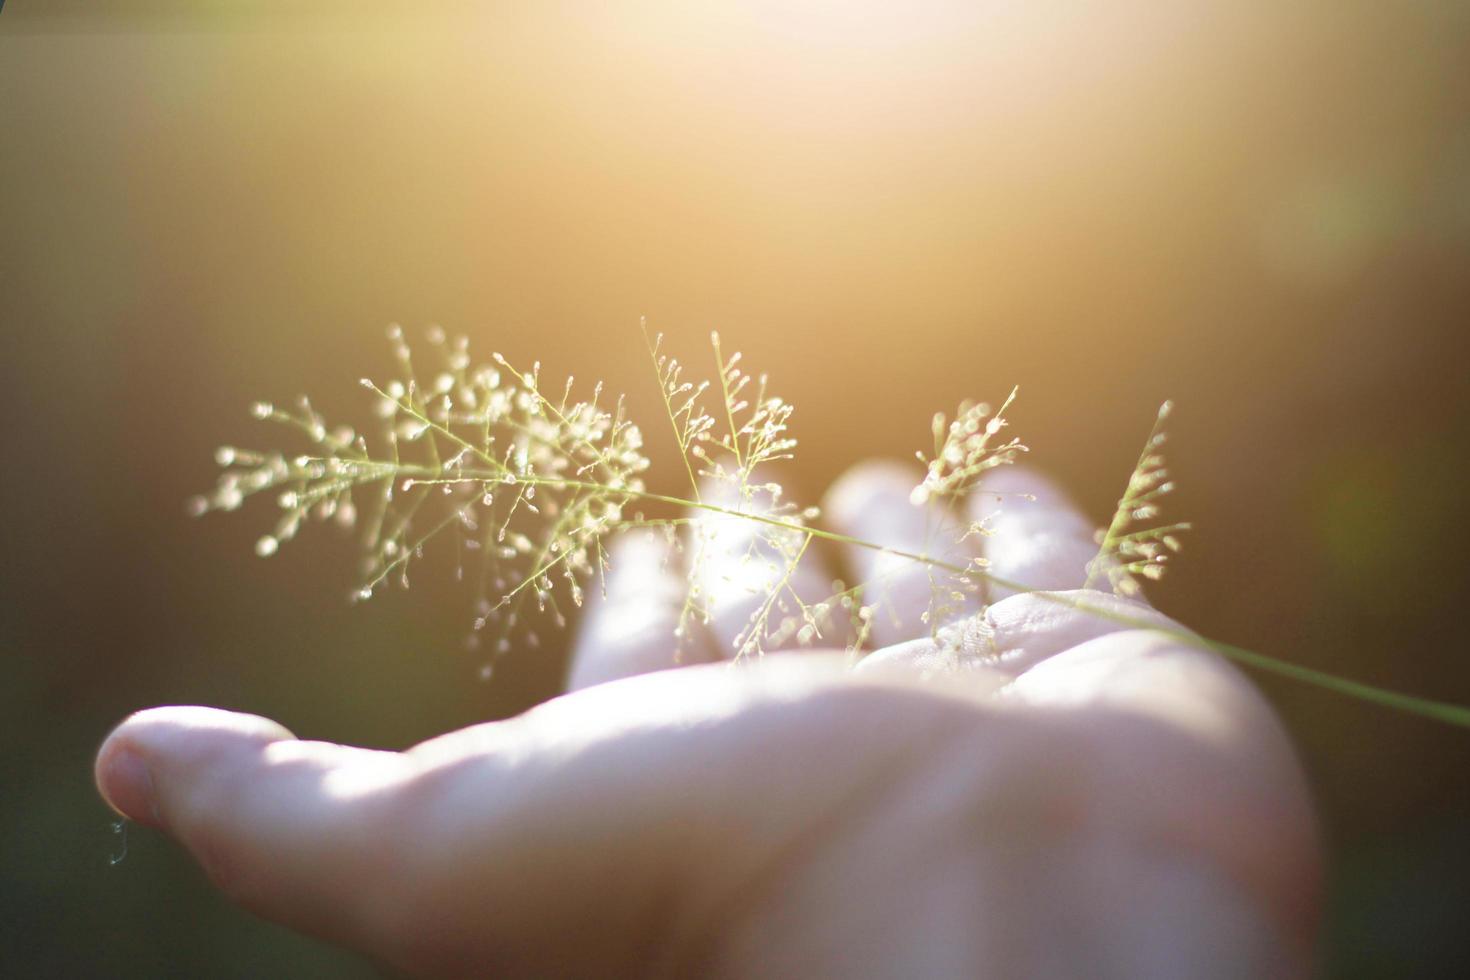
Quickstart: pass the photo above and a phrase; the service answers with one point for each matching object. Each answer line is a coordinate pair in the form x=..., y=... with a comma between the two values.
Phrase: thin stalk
x=669, y=411
x=714, y=340
x=1441, y=711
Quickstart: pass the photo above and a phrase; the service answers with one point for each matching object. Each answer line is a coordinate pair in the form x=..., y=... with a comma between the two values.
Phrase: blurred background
x=1261, y=210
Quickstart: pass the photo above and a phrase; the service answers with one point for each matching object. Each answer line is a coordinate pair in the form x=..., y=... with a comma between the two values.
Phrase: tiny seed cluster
x=465, y=454
x=1130, y=548
x=963, y=452
x=965, y=449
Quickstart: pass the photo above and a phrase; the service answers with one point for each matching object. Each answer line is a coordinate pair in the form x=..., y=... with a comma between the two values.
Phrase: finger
x=759, y=587
x=1038, y=538
x=475, y=853
x=294, y=831
x=909, y=598
x=1027, y=629
x=633, y=628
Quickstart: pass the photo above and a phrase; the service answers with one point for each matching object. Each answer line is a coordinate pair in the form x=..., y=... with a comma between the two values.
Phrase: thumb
x=295, y=831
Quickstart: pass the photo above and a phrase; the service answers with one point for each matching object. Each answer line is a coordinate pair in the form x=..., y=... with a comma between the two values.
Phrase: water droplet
x=120, y=828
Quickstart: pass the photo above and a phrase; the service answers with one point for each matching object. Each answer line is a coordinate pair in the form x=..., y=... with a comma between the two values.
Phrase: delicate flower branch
x=531, y=484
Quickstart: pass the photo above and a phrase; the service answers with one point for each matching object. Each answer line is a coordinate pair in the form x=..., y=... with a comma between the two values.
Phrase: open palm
x=1055, y=793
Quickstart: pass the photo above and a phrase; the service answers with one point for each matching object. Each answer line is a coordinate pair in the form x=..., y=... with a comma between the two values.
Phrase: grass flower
x=531, y=480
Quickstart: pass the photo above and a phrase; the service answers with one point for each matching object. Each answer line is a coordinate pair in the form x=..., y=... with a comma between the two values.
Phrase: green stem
x=1441, y=711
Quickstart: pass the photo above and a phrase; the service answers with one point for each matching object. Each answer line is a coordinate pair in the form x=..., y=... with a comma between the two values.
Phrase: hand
x=1060, y=795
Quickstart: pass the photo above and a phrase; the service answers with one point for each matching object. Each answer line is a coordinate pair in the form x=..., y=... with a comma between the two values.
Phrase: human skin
x=1065, y=794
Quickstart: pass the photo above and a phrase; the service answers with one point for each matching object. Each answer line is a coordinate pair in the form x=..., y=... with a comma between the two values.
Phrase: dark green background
x=1261, y=212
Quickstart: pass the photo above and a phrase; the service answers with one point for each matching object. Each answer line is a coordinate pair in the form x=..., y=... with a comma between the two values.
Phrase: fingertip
x=853, y=494
x=874, y=503
x=1037, y=537
x=126, y=784
x=149, y=747
x=629, y=628
x=742, y=571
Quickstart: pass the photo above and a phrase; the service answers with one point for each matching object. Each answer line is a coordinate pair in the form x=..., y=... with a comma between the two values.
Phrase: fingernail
x=127, y=785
